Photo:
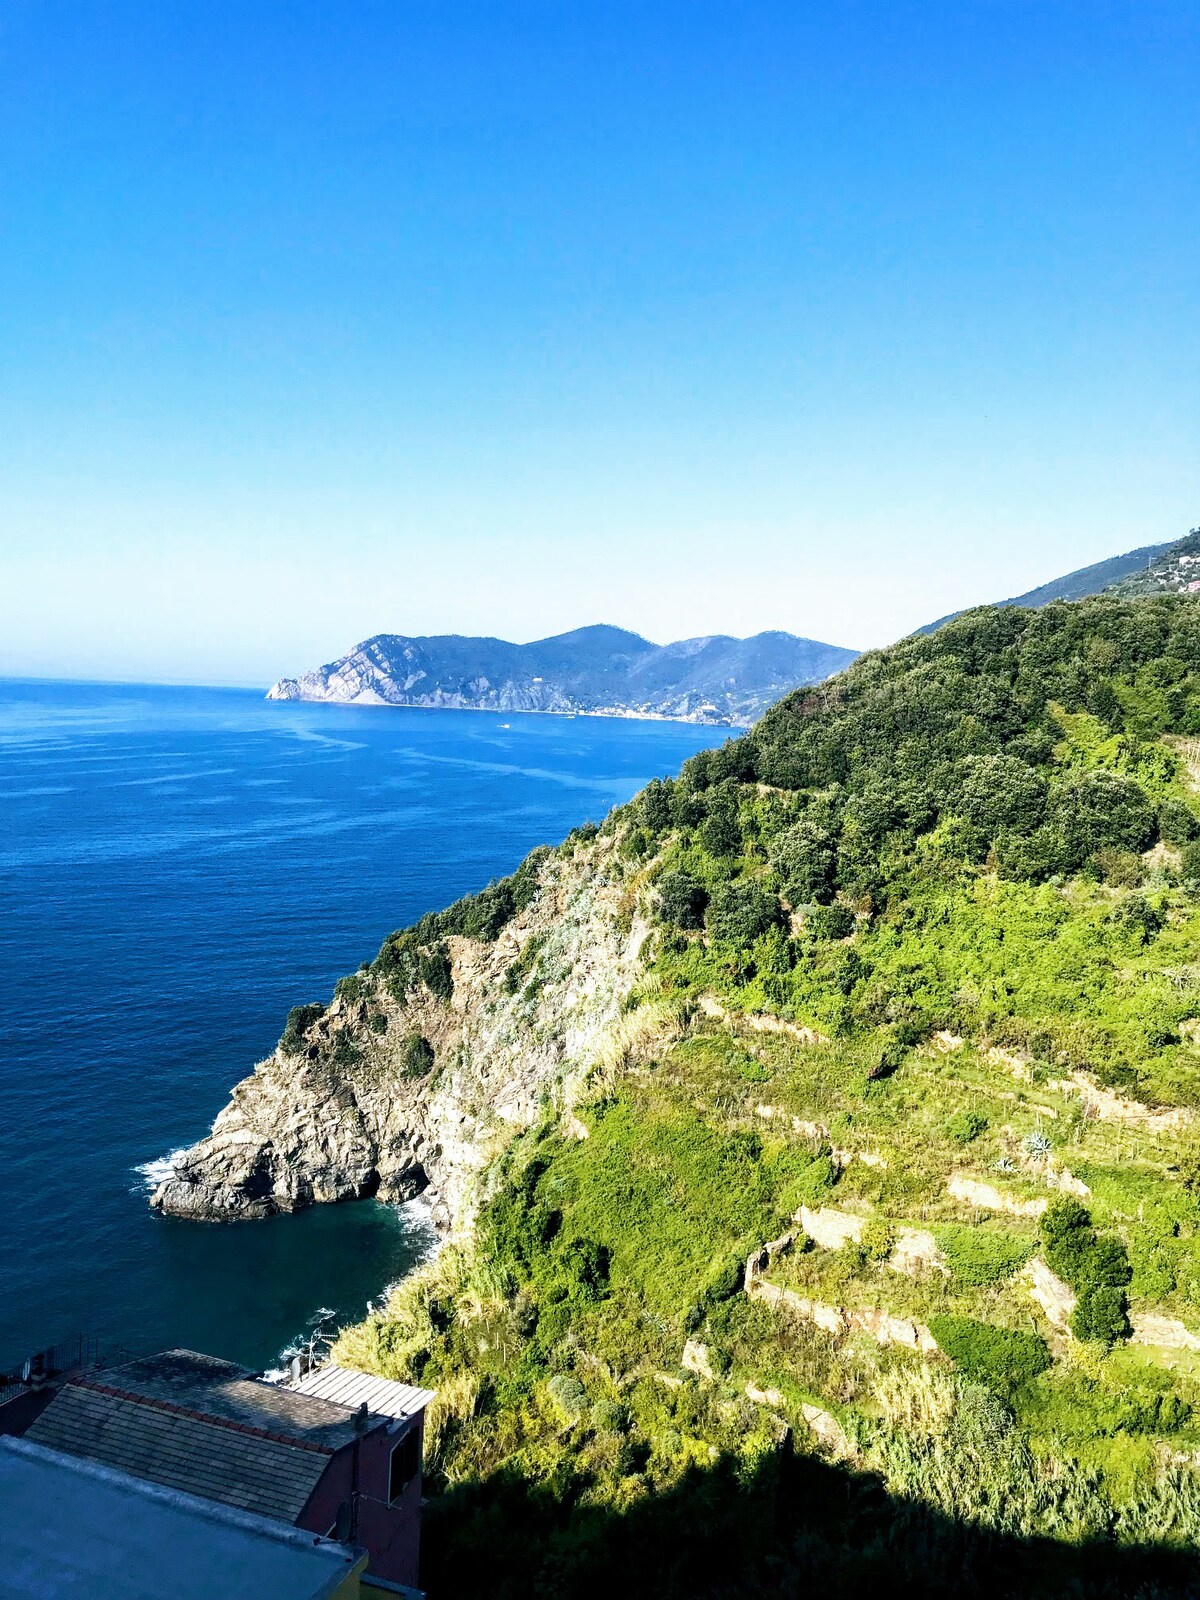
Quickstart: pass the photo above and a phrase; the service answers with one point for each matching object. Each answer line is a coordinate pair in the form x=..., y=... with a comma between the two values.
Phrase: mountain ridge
x=1150, y=569
x=594, y=670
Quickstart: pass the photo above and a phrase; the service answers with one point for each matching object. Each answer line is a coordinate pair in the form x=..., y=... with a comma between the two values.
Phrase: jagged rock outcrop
x=342, y=1117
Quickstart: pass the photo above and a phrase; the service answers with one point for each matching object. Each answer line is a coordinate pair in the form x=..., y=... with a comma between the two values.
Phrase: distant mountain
x=715, y=679
x=1151, y=569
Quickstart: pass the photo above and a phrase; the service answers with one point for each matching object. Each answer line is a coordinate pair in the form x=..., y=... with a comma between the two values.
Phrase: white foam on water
x=322, y=1330
x=152, y=1173
x=419, y=1215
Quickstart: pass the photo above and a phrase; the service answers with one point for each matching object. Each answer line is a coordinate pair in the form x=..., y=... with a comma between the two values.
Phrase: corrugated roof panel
x=346, y=1387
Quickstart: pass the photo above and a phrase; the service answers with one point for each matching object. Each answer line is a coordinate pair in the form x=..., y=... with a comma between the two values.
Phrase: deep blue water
x=177, y=868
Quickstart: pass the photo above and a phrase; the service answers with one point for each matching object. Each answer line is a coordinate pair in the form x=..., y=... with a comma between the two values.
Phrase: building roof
x=70, y=1528
x=346, y=1387
x=165, y=1445
x=229, y=1393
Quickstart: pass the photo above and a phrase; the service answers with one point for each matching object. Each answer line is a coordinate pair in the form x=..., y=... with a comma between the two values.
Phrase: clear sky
x=319, y=320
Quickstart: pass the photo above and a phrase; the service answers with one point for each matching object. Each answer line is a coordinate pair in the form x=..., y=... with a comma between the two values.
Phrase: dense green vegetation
x=1096, y=1267
x=926, y=958
x=299, y=1020
x=1003, y=1358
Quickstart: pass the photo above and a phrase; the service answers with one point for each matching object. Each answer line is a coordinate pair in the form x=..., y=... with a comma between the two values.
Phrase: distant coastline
x=625, y=713
x=710, y=681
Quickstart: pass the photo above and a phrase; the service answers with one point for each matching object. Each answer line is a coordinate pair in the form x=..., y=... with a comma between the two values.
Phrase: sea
x=178, y=867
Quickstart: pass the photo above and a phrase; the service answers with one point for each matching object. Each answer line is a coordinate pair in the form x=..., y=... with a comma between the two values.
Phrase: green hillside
x=1173, y=570
x=870, y=1261
x=1151, y=569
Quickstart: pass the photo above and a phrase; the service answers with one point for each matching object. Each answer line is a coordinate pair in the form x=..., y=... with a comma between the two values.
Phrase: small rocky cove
x=359, y=1107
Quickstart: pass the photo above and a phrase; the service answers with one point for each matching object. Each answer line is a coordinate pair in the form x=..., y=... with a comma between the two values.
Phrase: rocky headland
x=596, y=671
x=408, y=1085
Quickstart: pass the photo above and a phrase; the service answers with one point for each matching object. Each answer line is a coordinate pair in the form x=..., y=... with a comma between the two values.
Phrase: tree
x=1177, y=823
x=1101, y=1313
x=682, y=900
x=1098, y=810
x=804, y=857
x=655, y=806
x=741, y=911
x=998, y=792
x=720, y=833
x=436, y=972
x=1096, y=1267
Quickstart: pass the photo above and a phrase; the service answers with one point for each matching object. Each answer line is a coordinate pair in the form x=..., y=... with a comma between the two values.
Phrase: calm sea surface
x=177, y=868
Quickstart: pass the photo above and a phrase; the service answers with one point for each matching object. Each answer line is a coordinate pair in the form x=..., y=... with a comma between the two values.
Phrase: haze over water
x=178, y=867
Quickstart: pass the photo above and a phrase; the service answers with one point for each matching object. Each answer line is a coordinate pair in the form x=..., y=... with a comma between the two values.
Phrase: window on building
x=405, y=1463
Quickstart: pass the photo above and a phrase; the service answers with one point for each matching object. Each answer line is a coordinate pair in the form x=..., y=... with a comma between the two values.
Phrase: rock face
x=986, y=1197
x=1056, y=1298
x=839, y=1321
x=342, y=1118
x=1167, y=1333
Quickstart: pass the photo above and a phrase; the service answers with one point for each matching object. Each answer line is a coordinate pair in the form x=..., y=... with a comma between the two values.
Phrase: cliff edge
x=426, y=1062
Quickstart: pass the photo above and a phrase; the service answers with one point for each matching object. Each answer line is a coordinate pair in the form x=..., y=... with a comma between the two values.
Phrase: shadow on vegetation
x=792, y=1526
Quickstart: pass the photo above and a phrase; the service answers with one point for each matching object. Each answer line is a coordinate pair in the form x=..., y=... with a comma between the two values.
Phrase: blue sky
x=320, y=320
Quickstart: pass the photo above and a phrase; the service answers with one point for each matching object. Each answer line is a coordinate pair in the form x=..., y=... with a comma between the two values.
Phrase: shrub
x=609, y=1417
x=1101, y=1314
x=878, y=1239
x=523, y=966
x=742, y=911
x=966, y=1125
x=1137, y=917
x=1070, y=1403
x=436, y=972
x=682, y=900
x=347, y=1052
x=835, y=921
x=1003, y=1358
x=416, y=1056
x=486, y=914
x=299, y=1020
x=1124, y=869
x=351, y=988
x=1189, y=865
x=568, y=1395
x=983, y=1255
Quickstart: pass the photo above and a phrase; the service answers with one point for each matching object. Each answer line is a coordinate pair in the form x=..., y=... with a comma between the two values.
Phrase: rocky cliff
x=409, y=1084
